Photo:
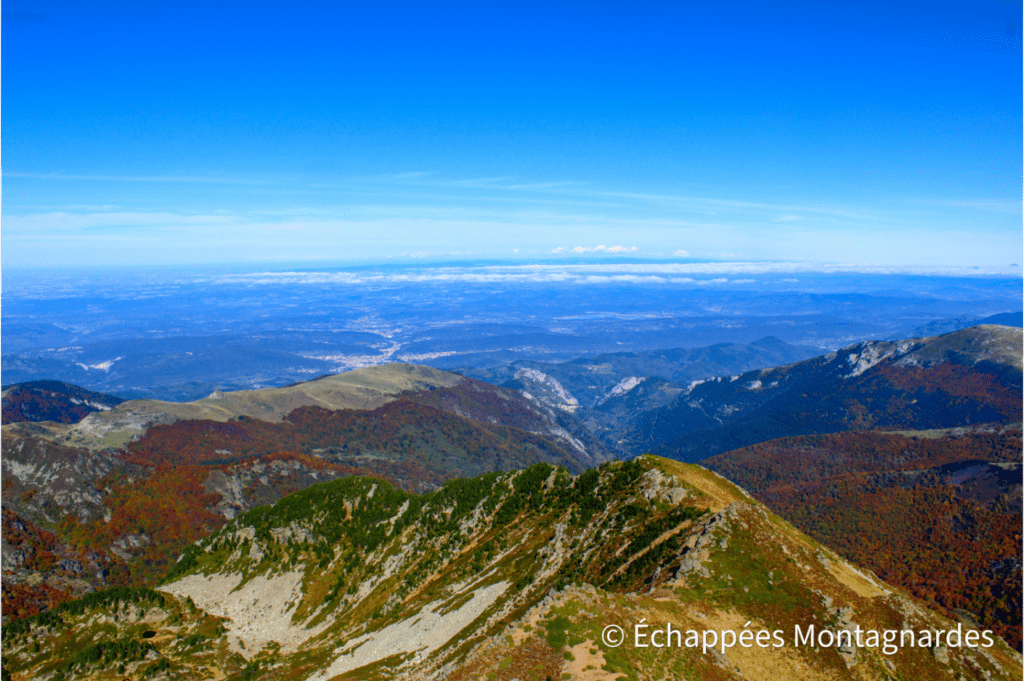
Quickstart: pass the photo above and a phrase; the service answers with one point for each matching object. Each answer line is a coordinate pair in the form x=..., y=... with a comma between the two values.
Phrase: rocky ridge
x=510, y=575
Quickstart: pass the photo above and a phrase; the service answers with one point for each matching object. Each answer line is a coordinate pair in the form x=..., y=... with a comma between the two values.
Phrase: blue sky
x=881, y=134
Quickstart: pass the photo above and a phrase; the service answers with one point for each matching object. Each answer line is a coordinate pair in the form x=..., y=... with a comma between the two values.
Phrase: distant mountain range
x=186, y=367
x=585, y=402
x=966, y=377
x=591, y=381
x=361, y=389
x=509, y=575
x=694, y=403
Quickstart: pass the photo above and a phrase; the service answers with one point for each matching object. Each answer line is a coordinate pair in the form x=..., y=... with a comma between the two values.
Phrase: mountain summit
x=529, y=574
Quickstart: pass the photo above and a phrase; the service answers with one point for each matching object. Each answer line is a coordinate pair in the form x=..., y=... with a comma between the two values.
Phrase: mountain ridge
x=968, y=376
x=366, y=388
x=510, y=575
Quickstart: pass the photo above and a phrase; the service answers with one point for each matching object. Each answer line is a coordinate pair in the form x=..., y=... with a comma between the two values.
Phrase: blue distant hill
x=1004, y=319
x=951, y=324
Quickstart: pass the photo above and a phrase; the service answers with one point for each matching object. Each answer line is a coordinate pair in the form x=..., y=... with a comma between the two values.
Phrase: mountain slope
x=52, y=401
x=361, y=389
x=509, y=575
x=939, y=515
x=27, y=549
x=441, y=444
x=591, y=380
x=120, y=518
x=367, y=388
x=969, y=376
x=491, y=404
x=110, y=523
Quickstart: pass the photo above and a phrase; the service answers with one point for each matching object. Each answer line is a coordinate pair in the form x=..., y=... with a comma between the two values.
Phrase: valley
x=916, y=445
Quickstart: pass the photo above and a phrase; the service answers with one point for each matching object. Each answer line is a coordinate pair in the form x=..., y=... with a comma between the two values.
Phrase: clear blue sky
x=155, y=132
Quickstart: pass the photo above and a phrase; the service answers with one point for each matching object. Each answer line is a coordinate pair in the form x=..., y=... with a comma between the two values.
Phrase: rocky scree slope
x=507, y=575
x=496, y=405
x=967, y=377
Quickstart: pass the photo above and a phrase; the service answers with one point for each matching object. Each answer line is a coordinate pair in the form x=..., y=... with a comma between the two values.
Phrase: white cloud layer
x=586, y=250
x=689, y=274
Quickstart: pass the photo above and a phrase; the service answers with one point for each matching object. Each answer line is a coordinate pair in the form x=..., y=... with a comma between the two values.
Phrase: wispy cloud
x=988, y=205
x=64, y=223
x=141, y=178
x=511, y=183
x=506, y=195
x=427, y=214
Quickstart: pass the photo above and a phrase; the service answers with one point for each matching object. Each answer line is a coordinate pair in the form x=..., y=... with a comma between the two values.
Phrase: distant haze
x=180, y=333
